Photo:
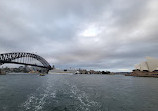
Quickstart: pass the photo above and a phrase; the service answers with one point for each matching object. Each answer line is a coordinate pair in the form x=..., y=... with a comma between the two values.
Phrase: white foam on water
x=85, y=102
x=36, y=101
x=28, y=102
x=53, y=94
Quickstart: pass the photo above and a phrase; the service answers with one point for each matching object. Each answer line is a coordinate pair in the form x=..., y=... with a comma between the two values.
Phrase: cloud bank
x=90, y=34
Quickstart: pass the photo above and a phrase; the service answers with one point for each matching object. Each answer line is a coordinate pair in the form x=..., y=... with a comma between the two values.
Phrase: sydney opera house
x=151, y=64
x=148, y=68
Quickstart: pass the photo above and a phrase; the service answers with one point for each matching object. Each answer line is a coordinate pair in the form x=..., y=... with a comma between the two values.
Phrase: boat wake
x=54, y=97
x=37, y=101
x=85, y=102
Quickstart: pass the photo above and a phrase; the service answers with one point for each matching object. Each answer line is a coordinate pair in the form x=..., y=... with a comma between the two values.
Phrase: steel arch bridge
x=24, y=59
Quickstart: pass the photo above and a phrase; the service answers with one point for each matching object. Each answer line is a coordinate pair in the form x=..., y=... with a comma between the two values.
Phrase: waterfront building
x=151, y=64
x=148, y=68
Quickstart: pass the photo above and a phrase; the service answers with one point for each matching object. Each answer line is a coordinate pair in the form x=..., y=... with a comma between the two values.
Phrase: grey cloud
x=127, y=31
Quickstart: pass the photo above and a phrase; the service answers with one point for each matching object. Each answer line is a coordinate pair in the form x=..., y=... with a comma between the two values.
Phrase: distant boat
x=77, y=72
x=2, y=72
x=42, y=74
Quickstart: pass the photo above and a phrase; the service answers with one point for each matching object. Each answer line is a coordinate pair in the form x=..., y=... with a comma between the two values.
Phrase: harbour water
x=67, y=92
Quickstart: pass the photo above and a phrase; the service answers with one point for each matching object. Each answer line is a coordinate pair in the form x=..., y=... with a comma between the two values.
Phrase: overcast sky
x=92, y=34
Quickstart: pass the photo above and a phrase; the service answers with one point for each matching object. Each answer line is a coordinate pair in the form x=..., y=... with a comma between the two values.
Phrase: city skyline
x=101, y=35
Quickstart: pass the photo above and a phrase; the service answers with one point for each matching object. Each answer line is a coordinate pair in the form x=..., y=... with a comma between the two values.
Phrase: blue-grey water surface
x=66, y=92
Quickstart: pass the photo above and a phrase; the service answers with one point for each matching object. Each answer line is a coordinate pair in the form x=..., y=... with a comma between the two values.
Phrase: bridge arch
x=10, y=57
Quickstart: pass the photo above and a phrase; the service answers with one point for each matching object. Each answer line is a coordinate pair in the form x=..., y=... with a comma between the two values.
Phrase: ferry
x=2, y=72
x=42, y=74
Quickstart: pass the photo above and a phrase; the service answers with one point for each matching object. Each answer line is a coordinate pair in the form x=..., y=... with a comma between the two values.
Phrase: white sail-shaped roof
x=152, y=63
x=143, y=66
x=137, y=66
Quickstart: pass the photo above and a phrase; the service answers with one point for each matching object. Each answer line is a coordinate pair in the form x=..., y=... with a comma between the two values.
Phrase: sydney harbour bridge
x=24, y=59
